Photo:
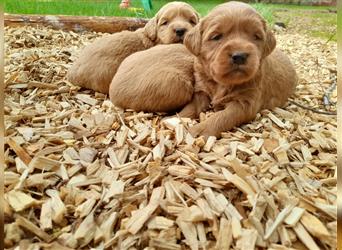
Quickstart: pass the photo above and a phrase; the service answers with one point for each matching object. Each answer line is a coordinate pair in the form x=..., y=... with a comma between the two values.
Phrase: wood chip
x=247, y=240
x=57, y=205
x=160, y=222
x=86, y=99
x=136, y=222
x=225, y=236
x=46, y=215
x=210, y=143
x=314, y=226
x=238, y=182
x=29, y=226
x=281, y=216
x=305, y=237
x=19, y=200
x=294, y=216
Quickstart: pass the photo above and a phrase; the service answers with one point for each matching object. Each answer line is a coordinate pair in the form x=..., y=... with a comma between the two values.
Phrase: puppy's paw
x=203, y=129
x=188, y=113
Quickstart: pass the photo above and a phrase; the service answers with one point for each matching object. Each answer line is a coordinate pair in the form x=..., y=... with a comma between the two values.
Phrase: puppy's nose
x=239, y=58
x=180, y=31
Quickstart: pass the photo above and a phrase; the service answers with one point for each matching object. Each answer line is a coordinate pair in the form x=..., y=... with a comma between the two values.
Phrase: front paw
x=203, y=129
x=188, y=113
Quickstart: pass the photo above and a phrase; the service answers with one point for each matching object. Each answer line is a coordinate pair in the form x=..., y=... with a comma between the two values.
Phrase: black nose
x=239, y=58
x=180, y=32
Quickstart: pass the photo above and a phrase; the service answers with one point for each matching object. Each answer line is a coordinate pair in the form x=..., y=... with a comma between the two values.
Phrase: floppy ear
x=150, y=29
x=193, y=40
x=270, y=42
x=197, y=16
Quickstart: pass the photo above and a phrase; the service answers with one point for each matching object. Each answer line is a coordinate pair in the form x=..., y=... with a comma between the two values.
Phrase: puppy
x=238, y=71
x=158, y=79
x=99, y=61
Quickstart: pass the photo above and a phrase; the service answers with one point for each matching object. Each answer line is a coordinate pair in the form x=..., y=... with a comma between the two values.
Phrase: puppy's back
x=157, y=79
x=98, y=62
x=279, y=80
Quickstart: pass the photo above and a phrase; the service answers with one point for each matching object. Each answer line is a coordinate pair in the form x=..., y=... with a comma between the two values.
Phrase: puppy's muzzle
x=239, y=58
x=180, y=32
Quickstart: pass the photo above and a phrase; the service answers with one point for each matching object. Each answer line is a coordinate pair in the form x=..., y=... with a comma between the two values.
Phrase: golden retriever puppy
x=99, y=61
x=238, y=71
x=158, y=79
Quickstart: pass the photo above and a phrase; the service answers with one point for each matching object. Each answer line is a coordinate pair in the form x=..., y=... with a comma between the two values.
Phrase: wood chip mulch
x=81, y=173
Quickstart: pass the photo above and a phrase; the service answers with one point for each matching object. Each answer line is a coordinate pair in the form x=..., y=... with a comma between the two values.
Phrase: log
x=76, y=23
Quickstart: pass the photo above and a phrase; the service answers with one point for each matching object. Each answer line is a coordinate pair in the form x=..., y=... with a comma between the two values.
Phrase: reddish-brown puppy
x=99, y=61
x=158, y=79
x=238, y=71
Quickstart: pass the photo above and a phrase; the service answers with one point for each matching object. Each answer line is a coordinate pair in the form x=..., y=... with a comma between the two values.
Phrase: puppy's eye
x=193, y=22
x=257, y=37
x=164, y=22
x=216, y=37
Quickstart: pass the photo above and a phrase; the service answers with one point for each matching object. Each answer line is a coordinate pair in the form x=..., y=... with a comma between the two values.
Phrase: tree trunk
x=77, y=23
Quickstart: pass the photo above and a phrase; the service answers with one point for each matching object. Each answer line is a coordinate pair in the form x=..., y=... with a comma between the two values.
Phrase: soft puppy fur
x=238, y=71
x=158, y=79
x=99, y=61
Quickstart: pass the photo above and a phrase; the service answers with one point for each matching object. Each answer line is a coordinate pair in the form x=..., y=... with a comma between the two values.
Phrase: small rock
x=280, y=24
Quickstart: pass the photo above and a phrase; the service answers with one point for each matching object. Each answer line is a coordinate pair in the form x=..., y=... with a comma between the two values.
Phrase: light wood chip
x=225, y=235
x=19, y=201
x=86, y=230
x=294, y=216
x=305, y=237
x=279, y=219
x=136, y=222
x=46, y=215
x=238, y=182
x=44, y=163
x=160, y=222
x=314, y=226
x=213, y=202
x=189, y=232
x=29, y=226
x=57, y=205
x=247, y=240
x=86, y=99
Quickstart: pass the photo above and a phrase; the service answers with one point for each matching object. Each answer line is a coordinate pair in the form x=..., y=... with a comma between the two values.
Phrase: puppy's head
x=231, y=42
x=171, y=23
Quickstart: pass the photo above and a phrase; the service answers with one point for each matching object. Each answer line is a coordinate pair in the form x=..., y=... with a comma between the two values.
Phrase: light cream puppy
x=99, y=61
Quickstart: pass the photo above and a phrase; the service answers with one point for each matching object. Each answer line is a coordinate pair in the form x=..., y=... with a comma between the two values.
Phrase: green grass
x=94, y=8
x=71, y=7
x=313, y=22
x=106, y=7
x=111, y=8
x=299, y=7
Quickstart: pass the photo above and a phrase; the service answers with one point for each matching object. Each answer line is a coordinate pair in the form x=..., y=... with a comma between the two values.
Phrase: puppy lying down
x=99, y=61
x=238, y=72
x=157, y=79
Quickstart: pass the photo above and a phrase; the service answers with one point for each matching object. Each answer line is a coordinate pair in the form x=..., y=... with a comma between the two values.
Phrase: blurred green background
x=319, y=21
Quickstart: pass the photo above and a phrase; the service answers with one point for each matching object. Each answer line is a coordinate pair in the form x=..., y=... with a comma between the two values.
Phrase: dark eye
x=193, y=22
x=257, y=37
x=164, y=22
x=216, y=37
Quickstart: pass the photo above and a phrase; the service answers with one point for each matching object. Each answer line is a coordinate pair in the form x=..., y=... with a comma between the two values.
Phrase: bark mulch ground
x=81, y=173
